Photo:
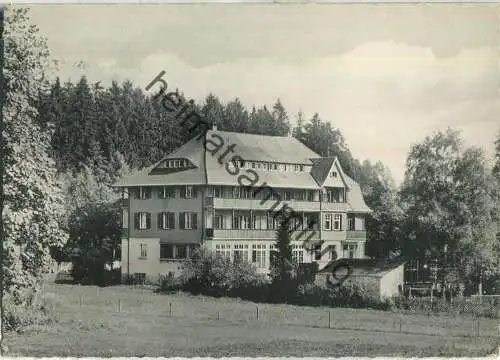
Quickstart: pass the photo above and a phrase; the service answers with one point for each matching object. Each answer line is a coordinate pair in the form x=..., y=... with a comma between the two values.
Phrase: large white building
x=223, y=191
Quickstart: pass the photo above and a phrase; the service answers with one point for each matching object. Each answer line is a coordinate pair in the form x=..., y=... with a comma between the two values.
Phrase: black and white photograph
x=250, y=180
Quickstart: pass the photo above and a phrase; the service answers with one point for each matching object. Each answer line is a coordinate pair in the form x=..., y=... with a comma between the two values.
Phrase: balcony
x=356, y=235
x=250, y=234
x=268, y=205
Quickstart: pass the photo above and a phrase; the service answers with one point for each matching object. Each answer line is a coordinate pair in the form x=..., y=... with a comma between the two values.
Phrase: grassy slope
x=143, y=328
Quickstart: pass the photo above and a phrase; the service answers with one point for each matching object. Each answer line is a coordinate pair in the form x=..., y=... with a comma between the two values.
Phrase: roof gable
x=323, y=167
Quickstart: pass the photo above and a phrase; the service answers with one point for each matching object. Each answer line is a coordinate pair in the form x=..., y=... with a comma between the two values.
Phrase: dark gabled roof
x=206, y=168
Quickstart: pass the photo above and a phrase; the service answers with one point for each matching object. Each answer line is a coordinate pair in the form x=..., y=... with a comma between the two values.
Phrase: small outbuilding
x=383, y=279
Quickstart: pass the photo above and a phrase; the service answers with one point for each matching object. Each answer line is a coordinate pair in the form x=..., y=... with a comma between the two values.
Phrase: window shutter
x=160, y=220
x=148, y=220
x=171, y=220
x=135, y=193
x=194, y=220
x=136, y=221
x=181, y=220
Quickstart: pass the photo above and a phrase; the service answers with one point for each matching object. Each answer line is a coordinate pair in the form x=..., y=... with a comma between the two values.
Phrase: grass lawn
x=127, y=321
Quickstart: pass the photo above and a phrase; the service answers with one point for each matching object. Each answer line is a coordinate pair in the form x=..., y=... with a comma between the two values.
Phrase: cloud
x=382, y=95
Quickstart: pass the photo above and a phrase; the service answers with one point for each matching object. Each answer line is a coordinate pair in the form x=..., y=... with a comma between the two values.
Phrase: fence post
x=478, y=322
x=329, y=319
x=119, y=305
x=257, y=312
x=400, y=324
x=80, y=299
x=218, y=315
x=170, y=310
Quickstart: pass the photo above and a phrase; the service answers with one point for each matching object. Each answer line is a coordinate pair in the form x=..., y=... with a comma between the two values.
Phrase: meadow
x=134, y=321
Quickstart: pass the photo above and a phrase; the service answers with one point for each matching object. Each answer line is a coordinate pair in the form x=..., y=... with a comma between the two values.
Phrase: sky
x=386, y=75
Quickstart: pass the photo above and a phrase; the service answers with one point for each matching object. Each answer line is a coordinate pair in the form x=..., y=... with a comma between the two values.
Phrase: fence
x=196, y=309
x=476, y=306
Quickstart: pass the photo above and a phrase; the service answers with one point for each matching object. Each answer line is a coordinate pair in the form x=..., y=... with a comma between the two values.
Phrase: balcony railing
x=356, y=234
x=268, y=205
x=299, y=235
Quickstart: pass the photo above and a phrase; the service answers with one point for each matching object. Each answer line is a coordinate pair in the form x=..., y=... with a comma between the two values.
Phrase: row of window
x=166, y=220
x=256, y=254
x=189, y=220
x=334, y=195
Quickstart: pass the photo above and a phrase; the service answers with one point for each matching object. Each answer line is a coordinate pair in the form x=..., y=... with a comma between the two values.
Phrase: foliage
x=94, y=225
x=95, y=237
x=207, y=273
x=33, y=196
x=40, y=311
x=451, y=203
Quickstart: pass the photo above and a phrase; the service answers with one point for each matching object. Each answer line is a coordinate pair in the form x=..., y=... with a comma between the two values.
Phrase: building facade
x=222, y=191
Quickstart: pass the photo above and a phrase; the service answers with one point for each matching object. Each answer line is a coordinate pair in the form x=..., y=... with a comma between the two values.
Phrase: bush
x=18, y=317
x=208, y=274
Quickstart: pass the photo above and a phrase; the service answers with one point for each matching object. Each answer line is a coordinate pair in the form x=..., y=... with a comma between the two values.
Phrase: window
x=171, y=163
x=176, y=163
x=333, y=195
x=337, y=222
x=181, y=251
x=189, y=192
x=259, y=221
x=166, y=251
x=241, y=221
x=223, y=250
x=297, y=254
x=350, y=250
x=236, y=192
x=218, y=191
x=301, y=168
x=310, y=195
x=144, y=251
x=218, y=222
x=144, y=192
x=188, y=220
x=167, y=192
x=142, y=220
x=166, y=220
x=259, y=255
x=245, y=193
x=240, y=253
x=273, y=254
x=125, y=219
x=350, y=223
x=253, y=165
x=333, y=174
x=242, y=164
x=288, y=195
x=275, y=166
x=327, y=225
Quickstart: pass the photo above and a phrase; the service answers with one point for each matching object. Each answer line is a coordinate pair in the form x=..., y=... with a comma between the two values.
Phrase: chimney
x=214, y=126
